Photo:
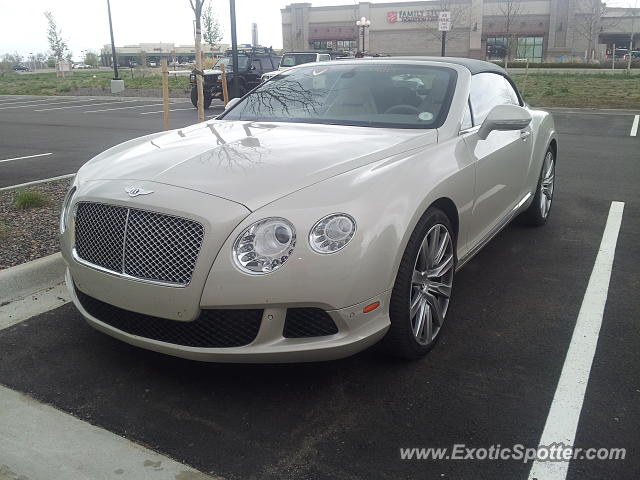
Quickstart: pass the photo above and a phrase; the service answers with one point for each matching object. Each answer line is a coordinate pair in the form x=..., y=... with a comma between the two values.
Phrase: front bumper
x=356, y=331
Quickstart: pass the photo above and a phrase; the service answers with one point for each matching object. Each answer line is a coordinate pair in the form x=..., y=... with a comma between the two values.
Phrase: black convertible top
x=471, y=64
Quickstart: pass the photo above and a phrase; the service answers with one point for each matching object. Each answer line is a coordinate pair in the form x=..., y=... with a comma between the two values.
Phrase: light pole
x=235, y=86
x=113, y=45
x=363, y=23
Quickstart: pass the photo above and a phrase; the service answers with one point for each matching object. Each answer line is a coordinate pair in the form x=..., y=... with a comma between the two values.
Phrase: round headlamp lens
x=264, y=246
x=332, y=233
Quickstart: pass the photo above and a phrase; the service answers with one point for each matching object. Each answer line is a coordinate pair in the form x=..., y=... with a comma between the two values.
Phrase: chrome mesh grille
x=142, y=244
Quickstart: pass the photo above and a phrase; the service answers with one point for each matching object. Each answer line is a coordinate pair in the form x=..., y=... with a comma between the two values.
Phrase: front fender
x=386, y=199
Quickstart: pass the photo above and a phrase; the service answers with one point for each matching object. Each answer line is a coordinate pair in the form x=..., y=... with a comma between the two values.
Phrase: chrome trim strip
x=493, y=232
x=75, y=256
x=469, y=130
x=124, y=238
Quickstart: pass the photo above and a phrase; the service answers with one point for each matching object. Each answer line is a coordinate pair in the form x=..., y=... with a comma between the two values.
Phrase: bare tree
x=212, y=29
x=510, y=11
x=57, y=44
x=460, y=15
x=587, y=25
x=196, y=6
x=634, y=13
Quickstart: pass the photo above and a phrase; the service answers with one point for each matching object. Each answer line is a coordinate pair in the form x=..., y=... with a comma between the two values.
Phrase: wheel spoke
x=420, y=317
x=427, y=328
x=423, y=255
x=415, y=304
x=440, y=289
x=433, y=246
x=435, y=309
x=442, y=248
x=442, y=268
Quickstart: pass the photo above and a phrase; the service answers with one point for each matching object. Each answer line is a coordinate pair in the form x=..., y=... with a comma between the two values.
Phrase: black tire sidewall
x=399, y=340
x=533, y=215
x=194, y=98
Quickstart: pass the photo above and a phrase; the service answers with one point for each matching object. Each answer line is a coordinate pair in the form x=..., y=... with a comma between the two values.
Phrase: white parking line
x=46, y=104
x=562, y=420
x=634, y=127
x=36, y=182
x=27, y=156
x=84, y=106
x=30, y=101
x=122, y=108
x=39, y=441
x=161, y=111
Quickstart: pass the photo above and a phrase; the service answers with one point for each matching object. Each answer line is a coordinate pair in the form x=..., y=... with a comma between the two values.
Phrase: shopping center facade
x=536, y=30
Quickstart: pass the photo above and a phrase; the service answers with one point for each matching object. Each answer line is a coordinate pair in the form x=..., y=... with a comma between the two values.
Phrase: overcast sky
x=85, y=25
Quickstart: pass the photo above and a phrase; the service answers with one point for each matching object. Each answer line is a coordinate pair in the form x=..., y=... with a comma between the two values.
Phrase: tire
x=538, y=212
x=194, y=98
x=428, y=295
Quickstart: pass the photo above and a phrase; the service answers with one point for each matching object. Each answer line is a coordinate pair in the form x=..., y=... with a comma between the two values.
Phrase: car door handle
x=525, y=135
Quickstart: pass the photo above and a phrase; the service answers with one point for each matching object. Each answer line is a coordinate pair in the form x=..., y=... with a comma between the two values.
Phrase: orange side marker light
x=371, y=307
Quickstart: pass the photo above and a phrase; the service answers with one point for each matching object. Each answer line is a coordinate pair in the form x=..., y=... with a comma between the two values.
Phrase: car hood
x=251, y=163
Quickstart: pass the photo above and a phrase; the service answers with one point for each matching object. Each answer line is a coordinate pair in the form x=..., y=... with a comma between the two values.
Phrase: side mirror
x=231, y=103
x=504, y=117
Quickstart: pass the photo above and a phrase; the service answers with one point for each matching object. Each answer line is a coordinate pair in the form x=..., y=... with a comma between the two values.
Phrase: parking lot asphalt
x=490, y=380
x=74, y=129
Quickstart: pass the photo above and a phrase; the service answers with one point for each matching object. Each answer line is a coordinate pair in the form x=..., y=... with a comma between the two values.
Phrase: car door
x=502, y=159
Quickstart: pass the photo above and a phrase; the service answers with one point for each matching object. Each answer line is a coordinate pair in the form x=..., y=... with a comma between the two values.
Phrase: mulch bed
x=31, y=233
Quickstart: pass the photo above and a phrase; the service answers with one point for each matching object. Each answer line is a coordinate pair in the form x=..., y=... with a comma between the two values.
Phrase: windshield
x=377, y=95
x=293, y=59
x=243, y=62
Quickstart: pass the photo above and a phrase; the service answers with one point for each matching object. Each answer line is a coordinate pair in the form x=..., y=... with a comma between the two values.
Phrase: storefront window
x=496, y=48
x=529, y=48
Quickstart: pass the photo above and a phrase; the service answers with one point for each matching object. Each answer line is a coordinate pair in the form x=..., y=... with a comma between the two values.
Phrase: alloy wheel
x=431, y=284
x=546, y=184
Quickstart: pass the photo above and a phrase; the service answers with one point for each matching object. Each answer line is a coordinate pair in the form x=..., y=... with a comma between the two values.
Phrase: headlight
x=65, y=209
x=332, y=233
x=264, y=246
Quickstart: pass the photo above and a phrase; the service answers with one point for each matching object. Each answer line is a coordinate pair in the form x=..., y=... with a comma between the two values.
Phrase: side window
x=466, y=119
x=487, y=91
x=266, y=64
x=324, y=58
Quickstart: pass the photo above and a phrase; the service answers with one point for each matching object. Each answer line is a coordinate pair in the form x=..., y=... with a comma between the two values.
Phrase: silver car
x=324, y=212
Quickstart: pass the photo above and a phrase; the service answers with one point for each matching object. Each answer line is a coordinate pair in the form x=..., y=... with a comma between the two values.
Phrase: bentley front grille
x=137, y=243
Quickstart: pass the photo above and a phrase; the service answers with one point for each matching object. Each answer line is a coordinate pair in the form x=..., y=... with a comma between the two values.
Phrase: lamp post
x=235, y=86
x=363, y=23
x=113, y=45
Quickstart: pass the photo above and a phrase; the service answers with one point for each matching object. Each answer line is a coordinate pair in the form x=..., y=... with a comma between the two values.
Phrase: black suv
x=252, y=63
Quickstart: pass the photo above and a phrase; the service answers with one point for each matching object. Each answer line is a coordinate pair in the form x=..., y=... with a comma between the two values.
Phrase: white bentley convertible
x=325, y=211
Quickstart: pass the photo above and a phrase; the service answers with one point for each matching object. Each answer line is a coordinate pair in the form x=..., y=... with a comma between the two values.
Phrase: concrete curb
x=22, y=280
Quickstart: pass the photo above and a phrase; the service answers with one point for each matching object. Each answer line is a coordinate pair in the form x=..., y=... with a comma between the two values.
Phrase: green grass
x=26, y=200
x=600, y=90
x=48, y=84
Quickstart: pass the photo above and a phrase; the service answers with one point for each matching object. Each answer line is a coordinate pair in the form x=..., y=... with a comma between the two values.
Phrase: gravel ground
x=32, y=233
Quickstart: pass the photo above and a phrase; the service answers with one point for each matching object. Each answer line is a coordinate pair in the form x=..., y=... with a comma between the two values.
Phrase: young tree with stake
x=196, y=6
x=57, y=44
